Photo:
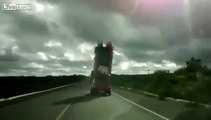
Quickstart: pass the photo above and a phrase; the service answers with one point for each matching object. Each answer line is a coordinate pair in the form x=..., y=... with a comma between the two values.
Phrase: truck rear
x=101, y=72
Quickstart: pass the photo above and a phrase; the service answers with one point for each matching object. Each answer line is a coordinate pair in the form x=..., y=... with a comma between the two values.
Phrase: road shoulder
x=168, y=108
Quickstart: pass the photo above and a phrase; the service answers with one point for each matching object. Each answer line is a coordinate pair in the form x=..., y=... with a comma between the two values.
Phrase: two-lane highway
x=75, y=103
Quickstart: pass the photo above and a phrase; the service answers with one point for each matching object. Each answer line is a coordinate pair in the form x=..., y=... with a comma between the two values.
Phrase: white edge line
x=147, y=93
x=141, y=106
x=33, y=93
x=62, y=113
x=140, y=91
x=2, y=99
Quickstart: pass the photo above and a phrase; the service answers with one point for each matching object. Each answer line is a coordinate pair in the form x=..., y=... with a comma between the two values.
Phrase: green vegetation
x=191, y=82
x=11, y=86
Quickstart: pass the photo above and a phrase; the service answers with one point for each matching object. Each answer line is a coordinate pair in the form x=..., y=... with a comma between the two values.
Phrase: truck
x=101, y=73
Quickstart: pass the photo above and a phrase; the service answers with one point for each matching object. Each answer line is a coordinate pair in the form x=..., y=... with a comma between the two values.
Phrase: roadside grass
x=167, y=85
x=12, y=86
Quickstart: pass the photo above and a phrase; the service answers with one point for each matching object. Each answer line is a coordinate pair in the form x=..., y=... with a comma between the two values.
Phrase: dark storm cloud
x=175, y=33
x=140, y=56
x=73, y=64
x=6, y=66
x=205, y=55
x=9, y=56
x=31, y=44
x=10, y=61
x=85, y=21
x=93, y=28
x=180, y=54
x=201, y=18
x=86, y=27
x=140, y=35
x=27, y=24
x=108, y=5
x=144, y=45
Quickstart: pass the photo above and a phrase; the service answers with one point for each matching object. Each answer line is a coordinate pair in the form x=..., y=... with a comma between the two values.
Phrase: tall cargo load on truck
x=103, y=57
x=102, y=68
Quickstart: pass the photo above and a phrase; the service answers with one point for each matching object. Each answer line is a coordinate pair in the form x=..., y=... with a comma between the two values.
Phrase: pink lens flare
x=157, y=5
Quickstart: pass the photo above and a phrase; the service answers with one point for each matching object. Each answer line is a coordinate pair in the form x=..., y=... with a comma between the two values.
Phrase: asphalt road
x=75, y=103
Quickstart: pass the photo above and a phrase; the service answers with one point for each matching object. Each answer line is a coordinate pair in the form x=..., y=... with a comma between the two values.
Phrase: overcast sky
x=57, y=37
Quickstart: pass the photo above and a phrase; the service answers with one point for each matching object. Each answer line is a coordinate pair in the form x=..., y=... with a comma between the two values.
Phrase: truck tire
x=108, y=92
x=93, y=91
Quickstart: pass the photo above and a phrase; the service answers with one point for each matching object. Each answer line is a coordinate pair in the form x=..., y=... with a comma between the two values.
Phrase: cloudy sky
x=57, y=37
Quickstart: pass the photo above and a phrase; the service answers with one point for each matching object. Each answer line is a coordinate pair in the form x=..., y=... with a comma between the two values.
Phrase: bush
x=162, y=94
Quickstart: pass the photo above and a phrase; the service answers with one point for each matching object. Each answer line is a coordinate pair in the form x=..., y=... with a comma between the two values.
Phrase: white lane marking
x=33, y=93
x=140, y=106
x=62, y=113
x=2, y=99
